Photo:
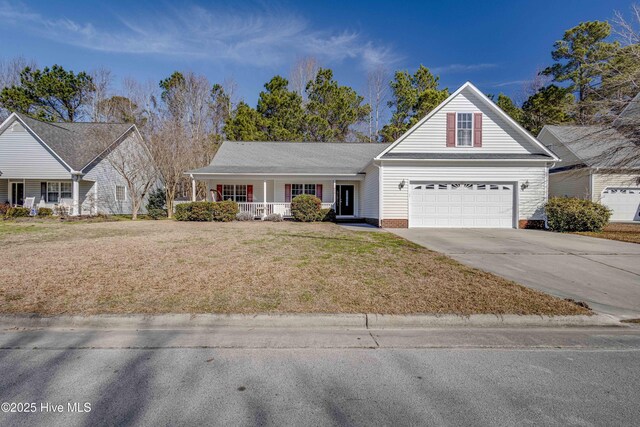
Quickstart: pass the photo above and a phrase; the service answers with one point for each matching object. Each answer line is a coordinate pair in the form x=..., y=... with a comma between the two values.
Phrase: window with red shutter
x=451, y=129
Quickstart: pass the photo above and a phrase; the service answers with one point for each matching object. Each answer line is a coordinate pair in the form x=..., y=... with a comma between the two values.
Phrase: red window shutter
x=477, y=129
x=250, y=193
x=319, y=191
x=451, y=129
x=219, y=191
x=287, y=192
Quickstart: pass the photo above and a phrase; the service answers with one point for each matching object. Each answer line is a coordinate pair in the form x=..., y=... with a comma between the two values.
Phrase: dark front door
x=17, y=193
x=345, y=200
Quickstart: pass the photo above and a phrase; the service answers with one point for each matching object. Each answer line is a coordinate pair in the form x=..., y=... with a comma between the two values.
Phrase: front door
x=17, y=193
x=345, y=200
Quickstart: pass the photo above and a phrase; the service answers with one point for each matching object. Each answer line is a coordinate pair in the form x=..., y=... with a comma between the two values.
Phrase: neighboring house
x=64, y=164
x=466, y=164
x=598, y=163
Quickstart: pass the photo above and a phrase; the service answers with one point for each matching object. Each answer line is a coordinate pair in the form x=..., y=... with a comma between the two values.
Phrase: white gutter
x=465, y=160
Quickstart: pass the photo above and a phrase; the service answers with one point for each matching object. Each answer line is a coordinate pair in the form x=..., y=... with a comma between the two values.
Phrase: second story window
x=464, y=130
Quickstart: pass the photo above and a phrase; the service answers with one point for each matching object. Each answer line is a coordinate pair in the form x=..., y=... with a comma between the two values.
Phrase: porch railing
x=262, y=209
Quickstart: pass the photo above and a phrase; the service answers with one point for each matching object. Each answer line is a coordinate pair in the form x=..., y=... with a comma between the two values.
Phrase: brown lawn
x=619, y=231
x=165, y=266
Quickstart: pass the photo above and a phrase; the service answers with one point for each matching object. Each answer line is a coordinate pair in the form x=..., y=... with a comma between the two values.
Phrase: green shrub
x=225, y=211
x=207, y=211
x=42, y=212
x=571, y=214
x=156, y=200
x=156, y=213
x=17, y=212
x=182, y=211
x=327, y=215
x=306, y=208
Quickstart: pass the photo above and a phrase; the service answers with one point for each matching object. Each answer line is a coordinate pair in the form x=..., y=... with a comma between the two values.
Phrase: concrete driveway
x=603, y=273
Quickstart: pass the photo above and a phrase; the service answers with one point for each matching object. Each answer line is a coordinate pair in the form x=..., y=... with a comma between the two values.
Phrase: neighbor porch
x=75, y=195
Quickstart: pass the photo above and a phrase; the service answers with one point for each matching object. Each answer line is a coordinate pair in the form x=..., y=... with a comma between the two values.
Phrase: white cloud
x=511, y=83
x=258, y=37
x=462, y=68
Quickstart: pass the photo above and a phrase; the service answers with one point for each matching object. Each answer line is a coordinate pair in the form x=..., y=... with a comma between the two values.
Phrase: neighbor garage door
x=433, y=204
x=624, y=202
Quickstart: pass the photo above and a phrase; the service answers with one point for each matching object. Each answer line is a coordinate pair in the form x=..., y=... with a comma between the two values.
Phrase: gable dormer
x=467, y=122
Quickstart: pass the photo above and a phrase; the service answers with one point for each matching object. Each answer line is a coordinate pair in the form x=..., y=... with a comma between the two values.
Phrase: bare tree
x=377, y=91
x=102, y=80
x=303, y=71
x=10, y=75
x=172, y=155
x=132, y=161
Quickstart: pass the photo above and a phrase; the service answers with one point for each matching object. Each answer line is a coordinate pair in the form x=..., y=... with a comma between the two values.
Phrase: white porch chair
x=29, y=203
x=65, y=204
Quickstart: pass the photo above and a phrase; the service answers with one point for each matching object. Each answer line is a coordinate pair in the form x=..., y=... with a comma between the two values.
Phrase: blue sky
x=495, y=44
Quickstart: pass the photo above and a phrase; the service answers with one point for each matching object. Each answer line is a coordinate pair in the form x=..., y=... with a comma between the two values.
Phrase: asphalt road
x=502, y=376
x=603, y=273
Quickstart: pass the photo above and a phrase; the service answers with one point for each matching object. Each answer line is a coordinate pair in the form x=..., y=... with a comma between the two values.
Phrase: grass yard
x=52, y=268
x=618, y=231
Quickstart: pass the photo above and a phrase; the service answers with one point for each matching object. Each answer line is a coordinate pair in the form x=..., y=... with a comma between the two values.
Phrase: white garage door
x=460, y=205
x=624, y=202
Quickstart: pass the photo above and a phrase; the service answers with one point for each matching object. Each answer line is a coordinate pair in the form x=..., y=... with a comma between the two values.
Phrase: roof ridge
x=308, y=142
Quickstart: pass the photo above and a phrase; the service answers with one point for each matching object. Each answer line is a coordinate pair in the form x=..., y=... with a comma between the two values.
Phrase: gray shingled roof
x=77, y=143
x=466, y=156
x=324, y=158
x=596, y=146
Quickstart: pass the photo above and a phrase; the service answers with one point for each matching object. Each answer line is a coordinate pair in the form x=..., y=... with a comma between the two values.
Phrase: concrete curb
x=381, y=321
x=352, y=321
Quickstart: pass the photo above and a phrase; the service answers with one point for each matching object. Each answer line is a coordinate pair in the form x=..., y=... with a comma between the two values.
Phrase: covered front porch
x=262, y=196
x=75, y=196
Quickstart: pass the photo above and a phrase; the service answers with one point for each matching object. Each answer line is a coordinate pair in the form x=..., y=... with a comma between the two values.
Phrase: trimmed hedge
x=306, y=208
x=572, y=214
x=18, y=212
x=207, y=211
x=43, y=212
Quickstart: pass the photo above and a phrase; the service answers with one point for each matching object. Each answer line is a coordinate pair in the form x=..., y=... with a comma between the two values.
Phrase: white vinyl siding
x=22, y=156
x=498, y=136
x=530, y=200
x=574, y=183
x=602, y=181
x=370, y=195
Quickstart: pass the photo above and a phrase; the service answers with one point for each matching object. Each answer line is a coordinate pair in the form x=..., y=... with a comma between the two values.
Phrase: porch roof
x=291, y=158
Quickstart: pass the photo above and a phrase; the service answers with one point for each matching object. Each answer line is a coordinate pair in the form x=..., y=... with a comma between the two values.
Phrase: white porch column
x=264, y=198
x=334, y=196
x=75, y=210
x=193, y=189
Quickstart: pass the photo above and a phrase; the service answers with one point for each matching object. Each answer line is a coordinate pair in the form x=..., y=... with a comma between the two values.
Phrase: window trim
x=235, y=195
x=304, y=190
x=115, y=192
x=472, y=129
x=59, y=184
